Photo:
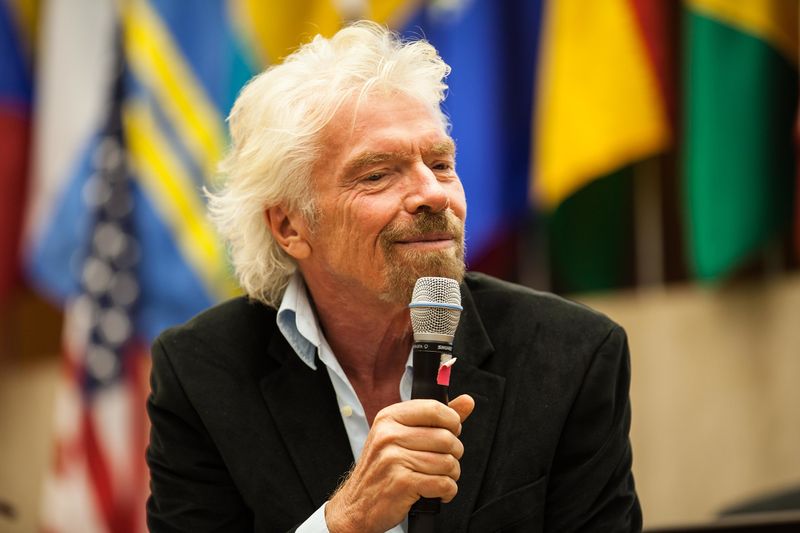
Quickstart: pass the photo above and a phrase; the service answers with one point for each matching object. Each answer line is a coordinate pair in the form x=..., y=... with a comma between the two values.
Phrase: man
x=283, y=409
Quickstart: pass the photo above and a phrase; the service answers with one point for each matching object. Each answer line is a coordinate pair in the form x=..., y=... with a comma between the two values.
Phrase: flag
x=181, y=86
x=741, y=99
x=491, y=47
x=98, y=435
x=130, y=125
x=590, y=235
x=599, y=105
x=72, y=77
x=17, y=37
x=271, y=30
x=99, y=478
x=603, y=104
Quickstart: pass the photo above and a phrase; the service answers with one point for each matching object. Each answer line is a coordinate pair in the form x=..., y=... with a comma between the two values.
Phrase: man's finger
x=433, y=464
x=443, y=487
x=437, y=440
x=427, y=413
x=463, y=405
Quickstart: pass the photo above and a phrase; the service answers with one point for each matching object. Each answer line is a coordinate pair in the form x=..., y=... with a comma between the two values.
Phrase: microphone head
x=435, y=309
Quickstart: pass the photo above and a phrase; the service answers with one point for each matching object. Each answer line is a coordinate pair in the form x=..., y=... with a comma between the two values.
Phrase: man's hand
x=411, y=451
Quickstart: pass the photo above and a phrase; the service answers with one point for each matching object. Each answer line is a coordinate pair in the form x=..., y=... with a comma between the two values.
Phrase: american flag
x=99, y=479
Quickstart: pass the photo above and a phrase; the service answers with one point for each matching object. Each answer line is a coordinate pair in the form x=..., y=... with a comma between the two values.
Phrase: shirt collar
x=298, y=324
x=297, y=321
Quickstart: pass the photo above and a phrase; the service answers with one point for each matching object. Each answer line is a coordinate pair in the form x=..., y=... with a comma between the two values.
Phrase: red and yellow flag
x=599, y=105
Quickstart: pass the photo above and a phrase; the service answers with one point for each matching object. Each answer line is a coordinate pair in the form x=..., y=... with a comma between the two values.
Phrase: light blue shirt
x=298, y=324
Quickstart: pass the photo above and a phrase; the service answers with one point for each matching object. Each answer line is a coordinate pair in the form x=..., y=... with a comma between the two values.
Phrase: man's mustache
x=424, y=224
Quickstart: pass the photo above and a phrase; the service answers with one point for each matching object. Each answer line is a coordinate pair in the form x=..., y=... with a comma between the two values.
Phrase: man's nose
x=426, y=192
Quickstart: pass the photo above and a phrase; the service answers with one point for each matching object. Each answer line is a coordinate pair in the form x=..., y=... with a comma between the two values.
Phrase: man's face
x=390, y=205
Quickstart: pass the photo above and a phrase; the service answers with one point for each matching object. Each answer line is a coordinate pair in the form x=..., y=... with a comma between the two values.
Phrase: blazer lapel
x=472, y=347
x=303, y=404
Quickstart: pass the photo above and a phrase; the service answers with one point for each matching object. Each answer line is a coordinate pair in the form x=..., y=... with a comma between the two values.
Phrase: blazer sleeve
x=591, y=485
x=191, y=489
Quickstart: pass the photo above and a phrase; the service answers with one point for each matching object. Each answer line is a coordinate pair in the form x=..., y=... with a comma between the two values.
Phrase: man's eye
x=442, y=166
x=374, y=177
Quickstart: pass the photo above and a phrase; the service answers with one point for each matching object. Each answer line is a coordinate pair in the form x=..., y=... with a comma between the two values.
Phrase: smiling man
x=289, y=408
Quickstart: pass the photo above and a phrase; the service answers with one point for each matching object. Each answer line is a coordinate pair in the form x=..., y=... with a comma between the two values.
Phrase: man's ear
x=290, y=230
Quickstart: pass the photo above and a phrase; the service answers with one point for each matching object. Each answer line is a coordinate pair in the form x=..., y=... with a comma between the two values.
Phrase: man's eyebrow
x=367, y=159
x=447, y=147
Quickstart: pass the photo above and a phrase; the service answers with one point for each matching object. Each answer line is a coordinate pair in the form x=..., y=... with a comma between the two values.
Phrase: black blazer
x=246, y=437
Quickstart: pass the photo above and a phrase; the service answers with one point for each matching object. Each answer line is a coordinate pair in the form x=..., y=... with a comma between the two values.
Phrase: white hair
x=275, y=128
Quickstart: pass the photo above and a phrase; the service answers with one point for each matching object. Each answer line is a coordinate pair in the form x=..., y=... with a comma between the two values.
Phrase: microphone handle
x=427, y=358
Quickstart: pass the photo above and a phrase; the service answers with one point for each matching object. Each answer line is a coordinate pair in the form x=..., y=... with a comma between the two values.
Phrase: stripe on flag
x=159, y=65
x=169, y=185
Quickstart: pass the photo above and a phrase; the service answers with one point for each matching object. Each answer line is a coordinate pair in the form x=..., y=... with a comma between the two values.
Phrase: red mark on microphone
x=443, y=377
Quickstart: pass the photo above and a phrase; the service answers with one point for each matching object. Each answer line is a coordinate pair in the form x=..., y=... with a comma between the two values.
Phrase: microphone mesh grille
x=432, y=319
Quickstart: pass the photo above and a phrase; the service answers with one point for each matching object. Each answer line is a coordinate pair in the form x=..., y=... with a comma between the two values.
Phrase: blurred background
x=635, y=155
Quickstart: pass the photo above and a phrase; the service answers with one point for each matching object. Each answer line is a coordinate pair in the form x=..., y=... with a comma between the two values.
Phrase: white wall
x=716, y=394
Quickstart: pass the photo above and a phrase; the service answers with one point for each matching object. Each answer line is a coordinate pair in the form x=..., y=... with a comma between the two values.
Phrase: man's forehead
x=381, y=127
x=376, y=110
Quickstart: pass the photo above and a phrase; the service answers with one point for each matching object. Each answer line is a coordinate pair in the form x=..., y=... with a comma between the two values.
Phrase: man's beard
x=405, y=266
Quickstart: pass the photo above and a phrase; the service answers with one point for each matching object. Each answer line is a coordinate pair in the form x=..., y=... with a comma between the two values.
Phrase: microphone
x=435, y=309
